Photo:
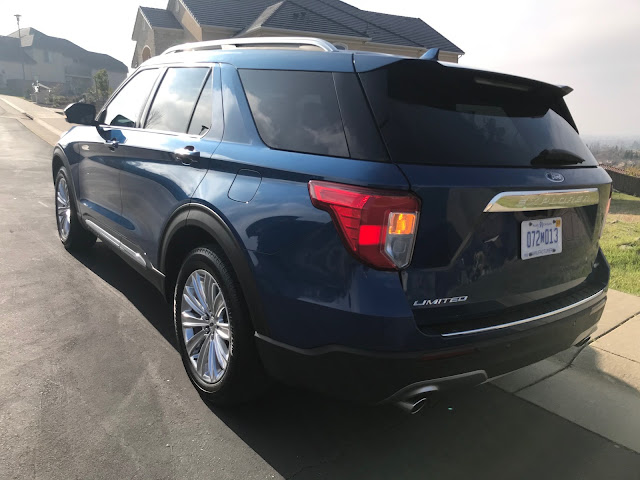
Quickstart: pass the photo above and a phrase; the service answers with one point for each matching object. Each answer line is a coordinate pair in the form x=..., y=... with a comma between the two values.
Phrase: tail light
x=606, y=212
x=377, y=226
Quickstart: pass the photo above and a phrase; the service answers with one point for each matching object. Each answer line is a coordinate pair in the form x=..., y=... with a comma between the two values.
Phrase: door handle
x=112, y=144
x=187, y=155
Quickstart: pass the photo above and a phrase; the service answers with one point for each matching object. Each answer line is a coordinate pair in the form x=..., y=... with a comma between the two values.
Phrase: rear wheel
x=214, y=331
x=71, y=232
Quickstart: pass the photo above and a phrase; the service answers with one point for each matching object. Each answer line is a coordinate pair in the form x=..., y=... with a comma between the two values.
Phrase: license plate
x=541, y=237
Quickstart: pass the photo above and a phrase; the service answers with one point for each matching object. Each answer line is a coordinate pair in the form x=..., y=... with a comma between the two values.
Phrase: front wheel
x=214, y=330
x=71, y=232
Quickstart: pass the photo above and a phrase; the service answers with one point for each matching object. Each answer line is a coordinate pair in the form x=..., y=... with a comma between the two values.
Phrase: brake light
x=377, y=226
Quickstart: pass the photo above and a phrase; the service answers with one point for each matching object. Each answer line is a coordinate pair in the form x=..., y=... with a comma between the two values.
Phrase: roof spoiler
x=566, y=89
x=431, y=54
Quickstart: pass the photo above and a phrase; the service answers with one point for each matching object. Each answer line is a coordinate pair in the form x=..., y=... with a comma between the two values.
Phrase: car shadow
x=105, y=263
x=478, y=433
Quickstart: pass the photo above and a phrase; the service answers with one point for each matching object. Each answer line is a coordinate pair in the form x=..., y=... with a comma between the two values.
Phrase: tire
x=72, y=234
x=222, y=376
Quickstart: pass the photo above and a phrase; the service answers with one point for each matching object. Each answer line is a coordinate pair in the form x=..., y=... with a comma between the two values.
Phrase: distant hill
x=620, y=152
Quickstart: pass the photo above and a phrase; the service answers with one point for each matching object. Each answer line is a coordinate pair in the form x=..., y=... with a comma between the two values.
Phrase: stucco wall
x=144, y=36
x=10, y=71
x=193, y=31
x=166, y=38
x=53, y=71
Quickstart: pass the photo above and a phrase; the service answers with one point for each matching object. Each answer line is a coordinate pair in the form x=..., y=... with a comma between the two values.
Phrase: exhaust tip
x=413, y=406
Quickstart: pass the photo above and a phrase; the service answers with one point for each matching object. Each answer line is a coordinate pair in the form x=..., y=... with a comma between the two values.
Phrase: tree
x=100, y=90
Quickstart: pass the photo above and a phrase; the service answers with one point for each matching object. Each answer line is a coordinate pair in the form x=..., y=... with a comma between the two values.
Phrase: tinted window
x=176, y=97
x=125, y=108
x=448, y=116
x=296, y=111
x=203, y=114
x=360, y=128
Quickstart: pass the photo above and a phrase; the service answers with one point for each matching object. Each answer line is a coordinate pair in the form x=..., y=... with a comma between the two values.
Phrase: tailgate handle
x=543, y=200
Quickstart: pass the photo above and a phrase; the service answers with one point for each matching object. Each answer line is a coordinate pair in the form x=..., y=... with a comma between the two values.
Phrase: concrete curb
x=40, y=122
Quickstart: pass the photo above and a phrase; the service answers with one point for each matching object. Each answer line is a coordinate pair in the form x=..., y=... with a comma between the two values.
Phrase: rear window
x=429, y=114
x=321, y=113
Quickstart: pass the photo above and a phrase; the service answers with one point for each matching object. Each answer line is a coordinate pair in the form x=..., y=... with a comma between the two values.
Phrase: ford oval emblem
x=555, y=177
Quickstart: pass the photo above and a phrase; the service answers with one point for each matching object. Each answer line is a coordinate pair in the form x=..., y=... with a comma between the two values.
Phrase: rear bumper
x=373, y=377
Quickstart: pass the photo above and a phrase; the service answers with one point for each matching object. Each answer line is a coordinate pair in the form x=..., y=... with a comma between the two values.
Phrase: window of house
x=296, y=111
x=125, y=108
x=47, y=57
x=176, y=98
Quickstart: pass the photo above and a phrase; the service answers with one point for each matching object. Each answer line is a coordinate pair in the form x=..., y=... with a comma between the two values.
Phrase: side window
x=359, y=126
x=296, y=111
x=203, y=114
x=175, y=100
x=125, y=108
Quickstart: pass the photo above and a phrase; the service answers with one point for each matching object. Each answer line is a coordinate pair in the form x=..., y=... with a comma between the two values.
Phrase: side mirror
x=82, y=113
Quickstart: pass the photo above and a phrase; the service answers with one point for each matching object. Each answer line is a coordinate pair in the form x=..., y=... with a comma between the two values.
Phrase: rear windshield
x=429, y=114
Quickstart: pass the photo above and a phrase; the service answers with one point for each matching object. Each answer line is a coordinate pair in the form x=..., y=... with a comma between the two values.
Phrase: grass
x=621, y=243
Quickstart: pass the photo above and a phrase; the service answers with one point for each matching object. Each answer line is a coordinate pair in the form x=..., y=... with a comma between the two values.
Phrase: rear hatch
x=513, y=202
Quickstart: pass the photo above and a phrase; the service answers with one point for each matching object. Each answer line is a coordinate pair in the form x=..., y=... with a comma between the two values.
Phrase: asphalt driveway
x=91, y=385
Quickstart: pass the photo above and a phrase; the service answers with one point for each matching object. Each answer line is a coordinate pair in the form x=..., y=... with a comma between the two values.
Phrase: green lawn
x=621, y=243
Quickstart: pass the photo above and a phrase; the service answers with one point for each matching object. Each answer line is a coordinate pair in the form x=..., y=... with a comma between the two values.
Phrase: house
x=345, y=26
x=52, y=61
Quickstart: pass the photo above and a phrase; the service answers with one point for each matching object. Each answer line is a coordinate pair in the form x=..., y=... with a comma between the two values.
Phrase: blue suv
x=369, y=226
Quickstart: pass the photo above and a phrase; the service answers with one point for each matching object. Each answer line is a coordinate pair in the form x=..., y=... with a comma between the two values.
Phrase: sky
x=591, y=45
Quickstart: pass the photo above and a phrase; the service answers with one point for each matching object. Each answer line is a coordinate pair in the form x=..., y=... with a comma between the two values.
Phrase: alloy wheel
x=205, y=326
x=63, y=209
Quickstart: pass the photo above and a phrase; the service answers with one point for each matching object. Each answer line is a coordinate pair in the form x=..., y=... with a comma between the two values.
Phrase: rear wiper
x=556, y=156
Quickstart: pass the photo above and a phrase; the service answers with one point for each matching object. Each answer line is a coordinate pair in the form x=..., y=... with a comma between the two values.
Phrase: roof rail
x=255, y=41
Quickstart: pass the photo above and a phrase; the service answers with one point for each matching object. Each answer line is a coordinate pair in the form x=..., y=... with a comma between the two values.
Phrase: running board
x=114, y=242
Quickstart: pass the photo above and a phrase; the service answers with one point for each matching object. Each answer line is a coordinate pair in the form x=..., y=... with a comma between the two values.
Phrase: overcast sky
x=591, y=45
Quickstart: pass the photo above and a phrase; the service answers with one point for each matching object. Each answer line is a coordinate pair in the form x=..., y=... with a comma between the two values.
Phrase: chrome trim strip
x=525, y=320
x=103, y=234
x=157, y=272
x=542, y=200
x=133, y=254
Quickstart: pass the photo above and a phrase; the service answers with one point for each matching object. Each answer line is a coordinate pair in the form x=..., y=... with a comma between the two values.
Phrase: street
x=91, y=384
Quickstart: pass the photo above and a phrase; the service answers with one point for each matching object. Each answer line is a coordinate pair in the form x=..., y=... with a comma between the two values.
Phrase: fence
x=622, y=182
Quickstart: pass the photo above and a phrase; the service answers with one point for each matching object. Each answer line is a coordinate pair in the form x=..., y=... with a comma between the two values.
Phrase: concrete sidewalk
x=596, y=386
x=47, y=123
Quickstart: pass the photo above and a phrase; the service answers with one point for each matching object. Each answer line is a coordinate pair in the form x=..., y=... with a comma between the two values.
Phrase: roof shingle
x=10, y=51
x=159, y=17
x=323, y=16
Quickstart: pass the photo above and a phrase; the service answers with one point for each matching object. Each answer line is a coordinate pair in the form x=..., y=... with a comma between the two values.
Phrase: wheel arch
x=59, y=160
x=195, y=225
